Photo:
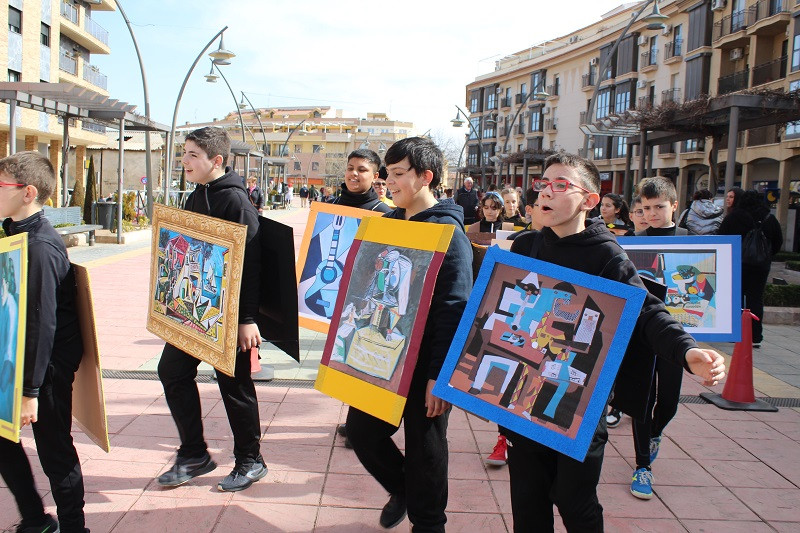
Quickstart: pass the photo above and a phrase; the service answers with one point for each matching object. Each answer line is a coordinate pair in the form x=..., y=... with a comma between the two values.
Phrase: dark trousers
x=56, y=454
x=177, y=371
x=541, y=477
x=422, y=474
x=665, y=393
x=754, y=281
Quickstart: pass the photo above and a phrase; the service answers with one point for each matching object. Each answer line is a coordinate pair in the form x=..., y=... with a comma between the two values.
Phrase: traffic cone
x=738, y=393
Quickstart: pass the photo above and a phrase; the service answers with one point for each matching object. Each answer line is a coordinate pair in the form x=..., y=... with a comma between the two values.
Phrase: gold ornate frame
x=221, y=354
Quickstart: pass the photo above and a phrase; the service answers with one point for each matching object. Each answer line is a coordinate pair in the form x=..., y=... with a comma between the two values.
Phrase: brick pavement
x=717, y=471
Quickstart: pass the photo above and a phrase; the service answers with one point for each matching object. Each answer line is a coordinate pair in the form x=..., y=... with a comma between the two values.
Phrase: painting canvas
x=703, y=279
x=329, y=234
x=380, y=314
x=88, y=400
x=13, y=308
x=538, y=348
x=195, y=276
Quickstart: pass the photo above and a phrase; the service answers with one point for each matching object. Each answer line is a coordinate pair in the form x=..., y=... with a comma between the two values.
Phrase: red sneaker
x=499, y=455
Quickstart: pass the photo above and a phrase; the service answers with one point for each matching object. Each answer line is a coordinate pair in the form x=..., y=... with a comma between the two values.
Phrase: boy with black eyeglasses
x=540, y=476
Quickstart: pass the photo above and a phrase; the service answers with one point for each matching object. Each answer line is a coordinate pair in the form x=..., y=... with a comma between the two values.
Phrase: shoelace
x=644, y=476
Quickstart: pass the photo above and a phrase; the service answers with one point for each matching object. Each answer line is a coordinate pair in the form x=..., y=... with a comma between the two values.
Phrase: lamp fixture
x=655, y=20
x=211, y=77
x=457, y=122
x=221, y=52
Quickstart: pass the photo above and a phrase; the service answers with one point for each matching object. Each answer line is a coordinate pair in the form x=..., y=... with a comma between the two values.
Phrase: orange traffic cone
x=738, y=393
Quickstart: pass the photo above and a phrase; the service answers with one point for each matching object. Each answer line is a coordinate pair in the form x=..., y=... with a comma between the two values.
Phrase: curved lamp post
x=263, y=133
x=457, y=123
x=220, y=53
x=283, y=146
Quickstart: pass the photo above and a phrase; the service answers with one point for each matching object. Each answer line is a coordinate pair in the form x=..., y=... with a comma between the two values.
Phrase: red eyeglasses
x=4, y=184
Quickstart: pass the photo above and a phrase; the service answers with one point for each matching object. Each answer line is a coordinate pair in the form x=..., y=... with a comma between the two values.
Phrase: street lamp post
x=263, y=134
x=654, y=22
x=457, y=123
x=220, y=53
x=286, y=142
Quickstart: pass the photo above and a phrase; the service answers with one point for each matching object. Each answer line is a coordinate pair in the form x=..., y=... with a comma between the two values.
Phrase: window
x=677, y=40
x=523, y=90
x=793, y=128
x=536, y=119
x=316, y=148
x=623, y=100
x=14, y=20
x=488, y=128
x=476, y=126
x=796, y=48
x=537, y=80
x=45, y=37
x=620, y=147
x=13, y=75
x=653, y=50
x=603, y=104
x=315, y=166
x=297, y=165
x=298, y=148
x=491, y=99
x=475, y=102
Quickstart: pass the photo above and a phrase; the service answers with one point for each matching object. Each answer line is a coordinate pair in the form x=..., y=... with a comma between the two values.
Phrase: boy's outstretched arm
x=707, y=364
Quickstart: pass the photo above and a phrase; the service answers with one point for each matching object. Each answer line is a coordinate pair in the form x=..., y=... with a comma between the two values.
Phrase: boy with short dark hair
x=417, y=482
x=659, y=202
x=221, y=195
x=540, y=476
x=53, y=351
x=362, y=170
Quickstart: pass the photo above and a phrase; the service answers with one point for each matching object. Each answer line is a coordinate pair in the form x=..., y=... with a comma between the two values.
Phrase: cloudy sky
x=410, y=59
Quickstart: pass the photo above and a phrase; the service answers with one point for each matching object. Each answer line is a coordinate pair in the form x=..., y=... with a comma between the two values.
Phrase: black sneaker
x=186, y=468
x=341, y=430
x=613, y=418
x=242, y=476
x=50, y=525
x=394, y=511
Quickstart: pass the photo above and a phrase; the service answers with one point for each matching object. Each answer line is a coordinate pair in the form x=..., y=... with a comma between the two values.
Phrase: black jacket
x=226, y=198
x=368, y=200
x=451, y=292
x=590, y=251
x=468, y=200
x=256, y=197
x=740, y=221
x=52, y=332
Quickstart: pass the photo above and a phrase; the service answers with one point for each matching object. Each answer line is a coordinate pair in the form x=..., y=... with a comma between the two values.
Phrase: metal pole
x=604, y=66
x=64, y=161
x=238, y=111
x=12, y=127
x=627, y=184
x=642, y=153
x=260, y=125
x=730, y=164
x=119, y=178
x=171, y=139
x=148, y=162
x=479, y=135
x=283, y=147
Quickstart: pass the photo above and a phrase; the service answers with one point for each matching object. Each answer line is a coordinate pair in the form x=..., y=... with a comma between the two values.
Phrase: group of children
x=415, y=480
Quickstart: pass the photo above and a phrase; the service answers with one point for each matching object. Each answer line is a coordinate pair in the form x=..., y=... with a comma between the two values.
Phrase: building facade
x=53, y=41
x=707, y=47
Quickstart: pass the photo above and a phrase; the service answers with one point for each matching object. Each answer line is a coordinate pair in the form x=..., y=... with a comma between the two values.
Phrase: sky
x=409, y=59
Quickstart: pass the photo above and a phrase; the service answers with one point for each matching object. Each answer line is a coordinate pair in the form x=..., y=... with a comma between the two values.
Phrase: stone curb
x=782, y=315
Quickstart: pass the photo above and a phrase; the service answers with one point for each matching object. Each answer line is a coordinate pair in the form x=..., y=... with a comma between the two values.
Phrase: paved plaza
x=718, y=471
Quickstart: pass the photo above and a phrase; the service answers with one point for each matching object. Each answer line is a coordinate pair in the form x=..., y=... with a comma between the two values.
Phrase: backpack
x=756, y=249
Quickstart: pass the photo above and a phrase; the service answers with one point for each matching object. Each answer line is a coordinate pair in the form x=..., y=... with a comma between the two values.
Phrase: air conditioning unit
x=718, y=5
x=593, y=61
x=641, y=84
x=667, y=29
x=573, y=39
x=545, y=110
x=736, y=54
x=643, y=40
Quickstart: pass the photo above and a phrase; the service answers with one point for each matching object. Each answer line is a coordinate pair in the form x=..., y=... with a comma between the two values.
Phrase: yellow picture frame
x=13, y=313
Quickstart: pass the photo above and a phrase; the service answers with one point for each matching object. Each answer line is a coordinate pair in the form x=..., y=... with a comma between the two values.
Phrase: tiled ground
x=718, y=470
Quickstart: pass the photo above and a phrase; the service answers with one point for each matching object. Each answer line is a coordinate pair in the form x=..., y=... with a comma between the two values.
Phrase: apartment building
x=707, y=47
x=308, y=144
x=53, y=41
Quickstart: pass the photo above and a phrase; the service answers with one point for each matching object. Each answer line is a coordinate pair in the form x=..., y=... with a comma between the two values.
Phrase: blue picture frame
x=525, y=322
x=703, y=278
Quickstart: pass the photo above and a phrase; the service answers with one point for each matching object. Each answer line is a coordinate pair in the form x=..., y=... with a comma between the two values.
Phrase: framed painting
x=703, y=279
x=88, y=400
x=13, y=309
x=538, y=349
x=195, y=276
x=329, y=234
x=379, y=317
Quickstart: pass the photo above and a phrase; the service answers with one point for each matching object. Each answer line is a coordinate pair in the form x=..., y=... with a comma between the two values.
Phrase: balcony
x=91, y=126
x=671, y=95
x=769, y=71
x=519, y=98
x=649, y=61
x=730, y=25
x=768, y=17
x=673, y=50
x=67, y=63
x=733, y=82
x=550, y=125
x=644, y=102
x=93, y=75
x=96, y=30
x=588, y=80
x=505, y=102
x=521, y=128
x=552, y=91
x=582, y=119
x=88, y=33
x=69, y=12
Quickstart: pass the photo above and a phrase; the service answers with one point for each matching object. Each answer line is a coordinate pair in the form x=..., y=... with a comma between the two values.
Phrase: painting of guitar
x=329, y=234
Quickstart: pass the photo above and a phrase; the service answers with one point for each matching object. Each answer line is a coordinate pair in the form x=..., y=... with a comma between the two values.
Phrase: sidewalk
x=717, y=470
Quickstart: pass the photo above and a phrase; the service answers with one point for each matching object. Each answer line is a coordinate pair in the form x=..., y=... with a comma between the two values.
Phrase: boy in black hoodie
x=221, y=195
x=540, y=476
x=53, y=351
x=417, y=482
x=362, y=169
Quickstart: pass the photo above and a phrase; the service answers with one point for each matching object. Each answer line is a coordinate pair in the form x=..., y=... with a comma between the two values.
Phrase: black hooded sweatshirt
x=451, y=292
x=592, y=251
x=226, y=198
x=52, y=332
x=368, y=200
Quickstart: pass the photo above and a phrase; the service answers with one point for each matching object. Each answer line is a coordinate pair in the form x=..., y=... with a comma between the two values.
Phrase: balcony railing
x=96, y=30
x=519, y=98
x=94, y=76
x=552, y=90
x=505, y=102
x=733, y=82
x=673, y=49
x=649, y=58
x=764, y=9
x=644, y=102
x=729, y=24
x=521, y=128
x=770, y=71
x=671, y=95
x=582, y=118
x=67, y=63
x=69, y=12
x=91, y=126
x=551, y=124
x=588, y=80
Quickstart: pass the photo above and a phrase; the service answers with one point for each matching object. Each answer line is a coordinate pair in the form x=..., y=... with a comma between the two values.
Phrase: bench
x=70, y=215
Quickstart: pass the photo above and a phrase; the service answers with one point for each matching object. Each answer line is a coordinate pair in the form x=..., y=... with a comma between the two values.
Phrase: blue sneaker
x=642, y=484
x=655, y=443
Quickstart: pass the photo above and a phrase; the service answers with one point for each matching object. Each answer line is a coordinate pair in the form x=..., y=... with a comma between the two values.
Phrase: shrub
x=782, y=295
x=793, y=265
x=787, y=256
